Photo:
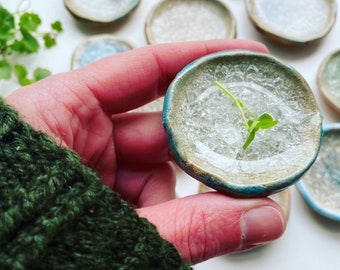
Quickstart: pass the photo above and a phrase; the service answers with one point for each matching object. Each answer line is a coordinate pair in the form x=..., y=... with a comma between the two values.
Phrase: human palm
x=87, y=110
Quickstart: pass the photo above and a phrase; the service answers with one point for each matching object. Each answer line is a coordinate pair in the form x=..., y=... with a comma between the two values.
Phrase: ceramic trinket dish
x=206, y=131
x=292, y=22
x=101, y=11
x=98, y=47
x=320, y=186
x=189, y=20
x=329, y=80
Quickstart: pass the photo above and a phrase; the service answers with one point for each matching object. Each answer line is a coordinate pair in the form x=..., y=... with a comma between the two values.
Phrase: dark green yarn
x=56, y=214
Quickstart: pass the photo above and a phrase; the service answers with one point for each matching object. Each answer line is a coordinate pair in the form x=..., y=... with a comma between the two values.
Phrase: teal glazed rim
x=305, y=192
x=205, y=176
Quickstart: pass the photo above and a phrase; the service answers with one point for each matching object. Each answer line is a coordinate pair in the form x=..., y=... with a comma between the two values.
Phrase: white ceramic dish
x=292, y=22
x=188, y=20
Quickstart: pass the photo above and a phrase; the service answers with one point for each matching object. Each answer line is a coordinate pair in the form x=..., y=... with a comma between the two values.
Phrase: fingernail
x=260, y=225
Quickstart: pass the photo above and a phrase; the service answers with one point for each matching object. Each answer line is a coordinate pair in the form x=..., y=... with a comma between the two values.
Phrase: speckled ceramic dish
x=329, y=80
x=188, y=20
x=206, y=131
x=282, y=198
x=293, y=22
x=320, y=186
x=97, y=47
x=101, y=11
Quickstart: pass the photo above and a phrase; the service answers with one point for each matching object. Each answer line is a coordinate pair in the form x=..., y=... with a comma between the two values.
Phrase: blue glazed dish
x=206, y=132
x=320, y=186
x=97, y=47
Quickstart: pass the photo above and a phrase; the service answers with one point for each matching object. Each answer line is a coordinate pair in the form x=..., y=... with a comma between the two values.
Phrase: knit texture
x=56, y=214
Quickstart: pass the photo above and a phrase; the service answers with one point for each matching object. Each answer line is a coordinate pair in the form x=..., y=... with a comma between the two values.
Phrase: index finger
x=132, y=79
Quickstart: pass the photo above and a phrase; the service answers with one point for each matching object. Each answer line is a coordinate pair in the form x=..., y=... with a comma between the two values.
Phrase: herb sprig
x=19, y=34
x=254, y=123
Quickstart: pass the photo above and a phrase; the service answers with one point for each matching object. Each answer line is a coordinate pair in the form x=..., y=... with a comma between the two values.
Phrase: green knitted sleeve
x=56, y=214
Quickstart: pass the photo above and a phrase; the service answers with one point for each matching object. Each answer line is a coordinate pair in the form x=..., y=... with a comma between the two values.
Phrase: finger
x=140, y=139
x=211, y=224
x=147, y=186
x=131, y=79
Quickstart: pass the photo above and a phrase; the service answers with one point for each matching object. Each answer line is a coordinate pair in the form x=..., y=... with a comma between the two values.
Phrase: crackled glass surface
x=323, y=179
x=292, y=18
x=330, y=77
x=190, y=20
x=210, y=131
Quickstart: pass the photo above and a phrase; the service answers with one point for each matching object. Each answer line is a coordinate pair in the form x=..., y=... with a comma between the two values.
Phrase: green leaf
x=5, y=70
x=6, y=20
x=49, y=41
x=266, y=121
x=29, y=21
x=41, y=73
x=21, y=73
x=28, y=43
x=249, y=139
x=57, y=26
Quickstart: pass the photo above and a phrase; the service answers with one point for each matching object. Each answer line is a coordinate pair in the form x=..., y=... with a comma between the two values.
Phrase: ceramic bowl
x=188, y=20
x=329, y=80
x=100, y=11
x=98, y=47
x=292, y=22
x=206, y=131
x=320, y=186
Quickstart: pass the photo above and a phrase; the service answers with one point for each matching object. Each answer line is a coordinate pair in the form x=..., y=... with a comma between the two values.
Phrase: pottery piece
x=329, y=80
x=292, y=22
x=97, y=47
x=206, y=131
x=188, y=20
x=320, y=186
x=101, y=11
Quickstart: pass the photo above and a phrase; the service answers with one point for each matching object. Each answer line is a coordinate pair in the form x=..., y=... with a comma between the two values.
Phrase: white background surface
x=310, y=242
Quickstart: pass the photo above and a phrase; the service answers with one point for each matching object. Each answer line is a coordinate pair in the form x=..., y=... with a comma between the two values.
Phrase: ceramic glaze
x=178, y=20
x=291, y=21
x=97, y=47
x=101, y=11
x=320, y=186
x=329, y=80
x=206, y=131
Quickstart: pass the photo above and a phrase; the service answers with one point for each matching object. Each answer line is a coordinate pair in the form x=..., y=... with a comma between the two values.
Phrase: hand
x=85, y=110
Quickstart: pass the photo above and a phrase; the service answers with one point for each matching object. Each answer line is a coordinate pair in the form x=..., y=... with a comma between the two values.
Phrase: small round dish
x=97, y=47
x=100, y=11
x=320, y=186
x=292, y=22
x=206, y=131
x=189, y=20
x=329, y=80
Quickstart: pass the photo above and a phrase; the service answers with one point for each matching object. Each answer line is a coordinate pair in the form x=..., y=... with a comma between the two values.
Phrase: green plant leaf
x=29, y=21
x=28, y=43
x=41, y=73
x=57, y=26
x=250, y=138
x=21, y=73
x=49, y=41
x=265, y=120
x=5, y=70
x=7, y=22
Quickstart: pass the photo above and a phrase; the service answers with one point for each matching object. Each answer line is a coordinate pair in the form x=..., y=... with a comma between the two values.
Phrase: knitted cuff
x=56, y=214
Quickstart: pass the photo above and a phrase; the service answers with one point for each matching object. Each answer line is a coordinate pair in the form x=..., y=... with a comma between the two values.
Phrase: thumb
x=211, y=224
